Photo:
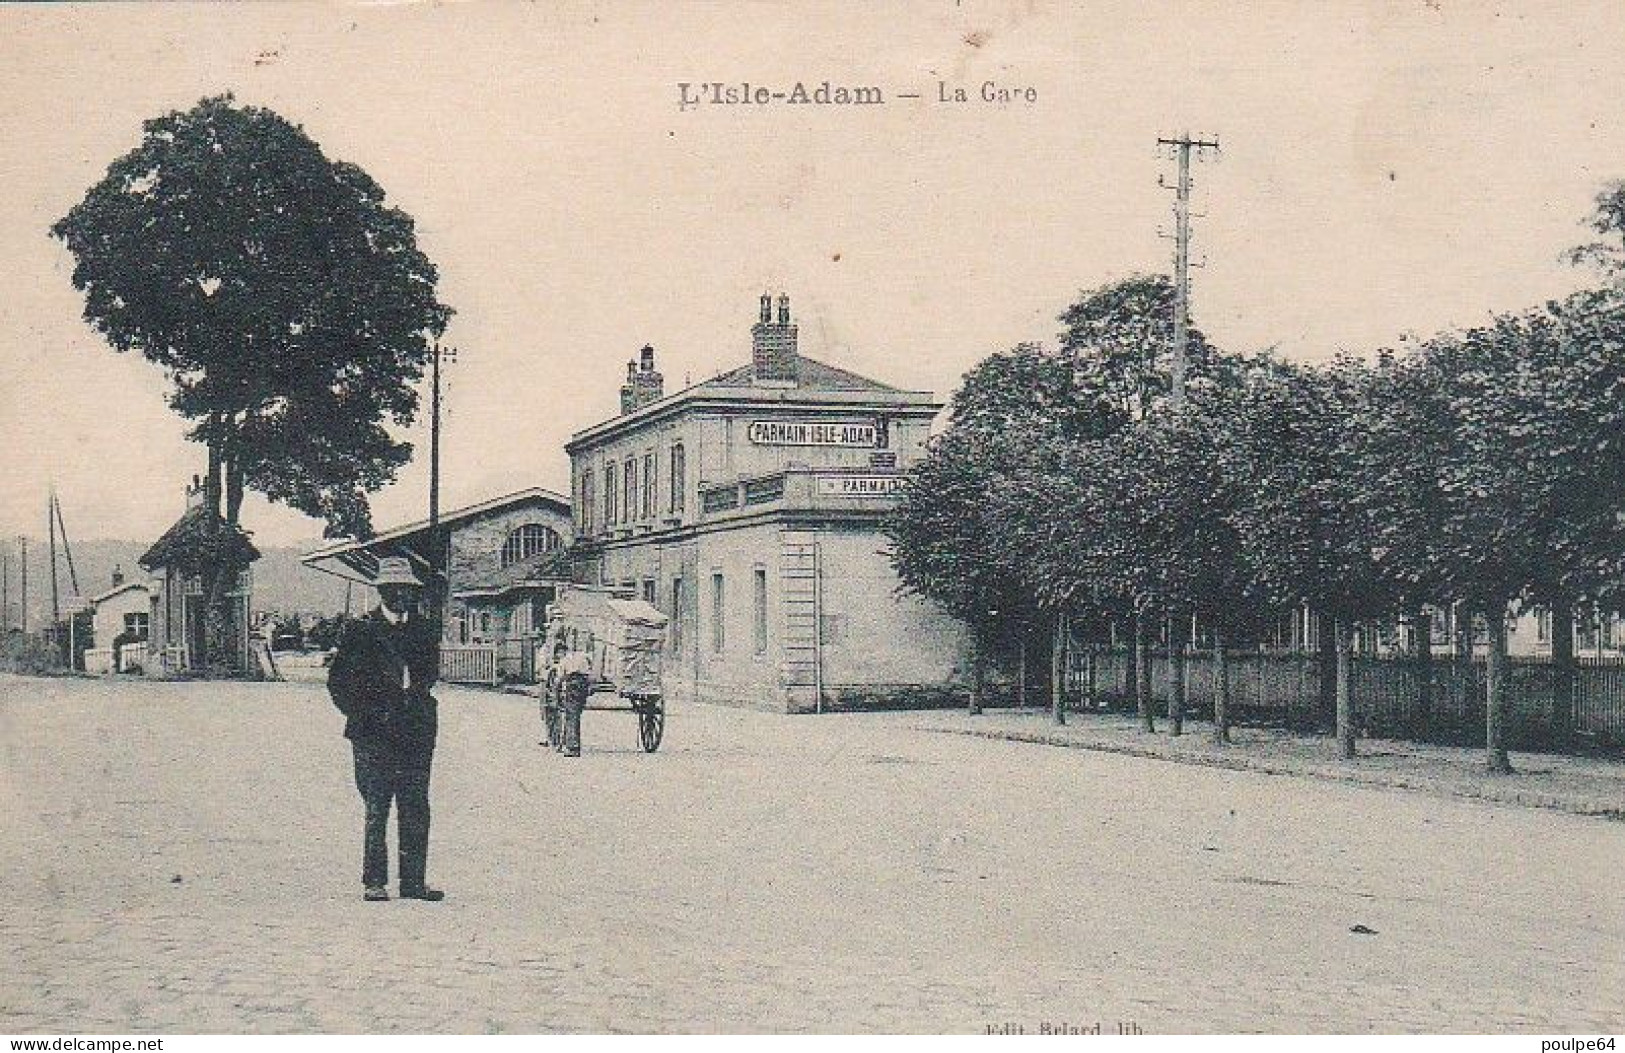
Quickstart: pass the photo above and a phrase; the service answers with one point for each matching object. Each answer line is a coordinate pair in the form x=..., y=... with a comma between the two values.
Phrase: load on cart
x=602, y=651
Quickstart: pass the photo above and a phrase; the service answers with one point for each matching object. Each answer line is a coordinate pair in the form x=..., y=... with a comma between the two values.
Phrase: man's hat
x=396, y=570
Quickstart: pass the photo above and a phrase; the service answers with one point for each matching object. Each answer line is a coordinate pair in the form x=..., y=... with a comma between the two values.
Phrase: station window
x=136, y=624
x=649, y=591
x=631, y=483
x=759, y=594
x=677, y=616
x=648, y=485
x=609, y=494
x=718, y=638
x=532, y=539
x=678, y=470
x=588, y=497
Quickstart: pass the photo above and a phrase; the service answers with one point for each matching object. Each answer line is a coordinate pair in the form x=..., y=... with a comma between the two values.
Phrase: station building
x=748, y=508
x=504, y=562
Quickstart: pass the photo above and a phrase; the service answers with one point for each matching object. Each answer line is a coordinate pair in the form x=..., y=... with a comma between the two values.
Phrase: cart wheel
x=651, y=724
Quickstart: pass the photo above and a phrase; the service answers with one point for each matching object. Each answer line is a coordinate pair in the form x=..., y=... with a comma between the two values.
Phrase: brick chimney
x=644, y=383
x=195, y=493
x=629, y=390
x=650, y=384
x=774, y=359
x=118, y=575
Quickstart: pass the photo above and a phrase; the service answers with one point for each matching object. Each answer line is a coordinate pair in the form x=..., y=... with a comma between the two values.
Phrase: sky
x=1386, y=169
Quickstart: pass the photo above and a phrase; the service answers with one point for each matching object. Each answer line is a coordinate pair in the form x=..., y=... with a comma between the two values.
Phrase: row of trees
x=1483, y=468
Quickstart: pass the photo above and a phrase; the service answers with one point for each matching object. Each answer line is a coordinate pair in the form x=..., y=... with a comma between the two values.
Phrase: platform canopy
x=357, y=559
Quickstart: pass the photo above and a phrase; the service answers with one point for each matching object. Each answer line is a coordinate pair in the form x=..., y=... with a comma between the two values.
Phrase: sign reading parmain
x=811, y=433
x=860, y=485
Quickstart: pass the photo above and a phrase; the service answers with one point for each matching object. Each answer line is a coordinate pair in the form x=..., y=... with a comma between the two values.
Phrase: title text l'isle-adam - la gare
x=694, y=94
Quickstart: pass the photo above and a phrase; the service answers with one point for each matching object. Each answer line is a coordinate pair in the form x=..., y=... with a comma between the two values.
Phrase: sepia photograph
x=949, y=517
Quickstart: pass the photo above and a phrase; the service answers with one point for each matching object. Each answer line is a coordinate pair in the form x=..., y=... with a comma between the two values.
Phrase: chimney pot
x=773, y=345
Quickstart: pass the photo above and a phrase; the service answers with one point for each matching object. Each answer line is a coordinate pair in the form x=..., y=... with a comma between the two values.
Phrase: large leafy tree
x=1531, y=469
x=1303, y=539
x=289, y=305
x=1119, y=340
x=1607, y=221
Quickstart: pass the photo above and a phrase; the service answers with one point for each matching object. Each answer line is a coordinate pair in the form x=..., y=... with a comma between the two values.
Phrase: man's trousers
x=385, y=773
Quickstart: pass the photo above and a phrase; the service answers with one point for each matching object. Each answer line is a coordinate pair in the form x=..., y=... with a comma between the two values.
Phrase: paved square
x=185, y=857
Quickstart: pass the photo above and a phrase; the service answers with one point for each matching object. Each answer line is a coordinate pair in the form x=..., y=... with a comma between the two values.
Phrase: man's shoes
x=423, y=892
x=572, y=753
x=376, y=895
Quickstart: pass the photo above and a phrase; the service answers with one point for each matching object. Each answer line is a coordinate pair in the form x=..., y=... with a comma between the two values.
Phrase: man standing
x=380, y=680
x=577, y=670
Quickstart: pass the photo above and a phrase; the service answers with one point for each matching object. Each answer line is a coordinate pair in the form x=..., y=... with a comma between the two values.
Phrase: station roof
x=817, y=383
x=356, y=559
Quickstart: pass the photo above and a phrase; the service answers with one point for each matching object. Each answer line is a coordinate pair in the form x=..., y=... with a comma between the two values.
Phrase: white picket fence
x=468, y=664
x=131, y=657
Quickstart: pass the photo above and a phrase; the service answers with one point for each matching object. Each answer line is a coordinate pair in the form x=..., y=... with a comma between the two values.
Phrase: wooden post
x=1463, y=658
x=1221, y=688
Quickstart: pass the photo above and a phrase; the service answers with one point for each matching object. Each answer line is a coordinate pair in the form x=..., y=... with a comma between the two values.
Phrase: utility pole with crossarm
x=1182, y=147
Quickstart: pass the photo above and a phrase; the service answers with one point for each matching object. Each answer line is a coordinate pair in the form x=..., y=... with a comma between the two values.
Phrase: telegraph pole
x=23, y=541
x=50, y=527
x=5, y=593
x=1182, y=147
x=67, y=548
x=437, y=554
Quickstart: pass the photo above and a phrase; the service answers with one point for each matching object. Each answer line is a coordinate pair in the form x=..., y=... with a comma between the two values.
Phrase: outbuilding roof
x=117, y=589
x=191, y=543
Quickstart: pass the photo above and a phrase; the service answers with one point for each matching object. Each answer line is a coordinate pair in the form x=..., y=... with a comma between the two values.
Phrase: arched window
x=532, y=539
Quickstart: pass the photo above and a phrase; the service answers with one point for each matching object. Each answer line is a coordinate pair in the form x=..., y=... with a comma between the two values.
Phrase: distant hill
x=281, y=582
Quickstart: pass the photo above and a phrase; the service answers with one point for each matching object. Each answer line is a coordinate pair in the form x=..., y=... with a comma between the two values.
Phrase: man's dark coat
x=365, y=682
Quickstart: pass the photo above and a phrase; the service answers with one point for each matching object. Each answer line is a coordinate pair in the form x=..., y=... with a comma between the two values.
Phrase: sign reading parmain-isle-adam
x=811, y=433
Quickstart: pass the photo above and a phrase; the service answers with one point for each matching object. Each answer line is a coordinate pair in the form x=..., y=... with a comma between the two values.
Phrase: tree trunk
x=212, y=481
x=1131, y=663
x=1091, y=690
x=1495, y=691
x=1021, y=679
x=1057, y=670
x=1343, y=632
x=214, y=571
x=234, y=489
x=1142, y=676
x=1221, y=688
x=978, y=676
x=1177, y=630
x=1422, y=654
x=1563, y=671
x=1326, y=645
